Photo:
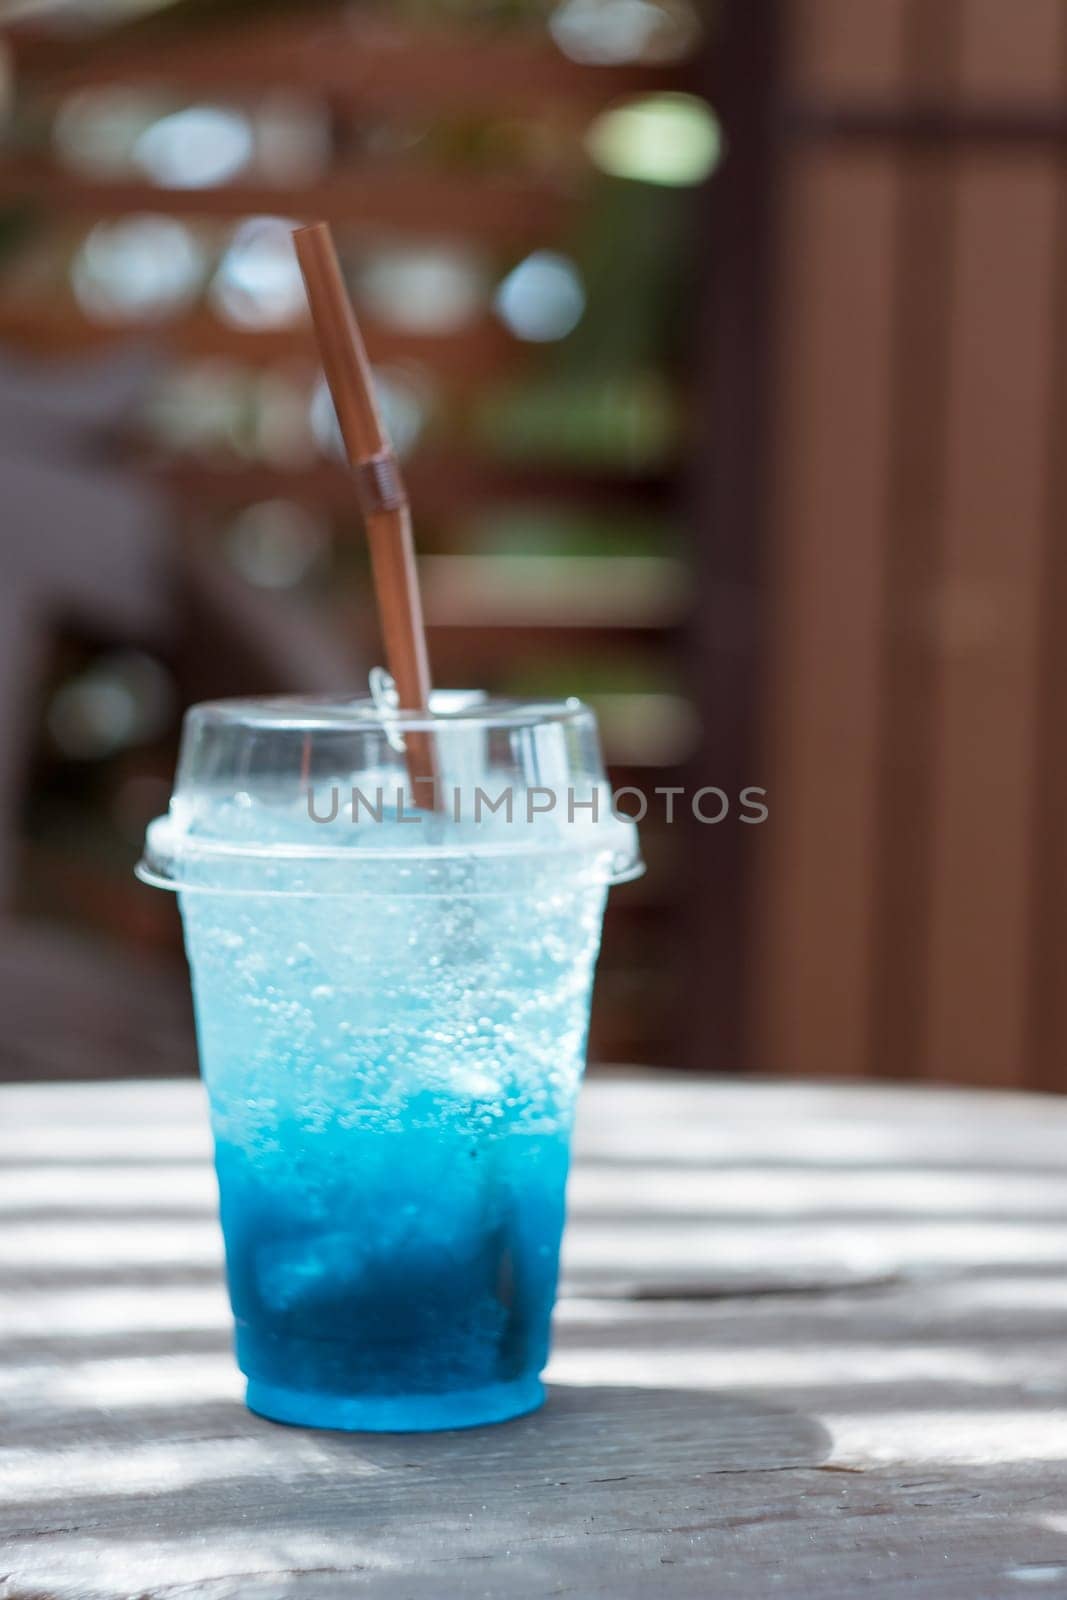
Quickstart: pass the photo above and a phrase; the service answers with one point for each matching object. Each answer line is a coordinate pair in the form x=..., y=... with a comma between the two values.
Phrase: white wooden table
x=812, y=1342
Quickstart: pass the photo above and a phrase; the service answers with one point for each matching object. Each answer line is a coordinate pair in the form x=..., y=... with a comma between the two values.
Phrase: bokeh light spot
x=275, y=544
x=542, y=298
x=424, y=290
x=671, y=139
x=258, y=283
x=612, y=32
x=124, y=699
x=96, y=130
x=139, y=267
x=195, y=148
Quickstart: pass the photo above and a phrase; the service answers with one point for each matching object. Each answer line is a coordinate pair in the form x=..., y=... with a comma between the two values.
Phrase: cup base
x=416, y=1413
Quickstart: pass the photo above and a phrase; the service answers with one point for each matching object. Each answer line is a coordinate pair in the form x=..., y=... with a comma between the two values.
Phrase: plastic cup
x=392, y=1007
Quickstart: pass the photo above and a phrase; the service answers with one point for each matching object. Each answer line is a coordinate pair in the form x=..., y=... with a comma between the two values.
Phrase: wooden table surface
x=812, y=1341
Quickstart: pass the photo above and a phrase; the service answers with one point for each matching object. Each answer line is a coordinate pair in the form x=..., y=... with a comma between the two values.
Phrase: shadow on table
x=603, y=1484
x=633, y=1431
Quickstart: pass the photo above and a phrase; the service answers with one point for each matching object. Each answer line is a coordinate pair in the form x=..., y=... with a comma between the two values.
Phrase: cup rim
x=169, y=853
x=346, y=713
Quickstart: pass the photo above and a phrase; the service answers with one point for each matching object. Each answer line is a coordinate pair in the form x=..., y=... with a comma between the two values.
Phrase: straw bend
x=376, y=471
x=379, y=485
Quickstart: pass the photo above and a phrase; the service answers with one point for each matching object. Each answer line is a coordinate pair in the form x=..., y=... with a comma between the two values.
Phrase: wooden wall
x=908, y=903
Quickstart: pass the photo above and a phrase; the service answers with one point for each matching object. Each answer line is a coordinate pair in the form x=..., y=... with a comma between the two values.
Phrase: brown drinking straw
x=379, y=488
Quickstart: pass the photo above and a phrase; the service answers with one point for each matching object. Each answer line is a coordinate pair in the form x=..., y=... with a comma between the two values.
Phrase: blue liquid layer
x=392, y=1088
x=406, y=1282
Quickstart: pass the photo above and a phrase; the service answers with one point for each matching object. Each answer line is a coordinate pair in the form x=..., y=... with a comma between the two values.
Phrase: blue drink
x=392, y=1101
x=392, y=1032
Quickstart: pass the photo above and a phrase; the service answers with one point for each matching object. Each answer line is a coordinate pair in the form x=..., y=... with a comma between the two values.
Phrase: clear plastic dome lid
x=295, y=795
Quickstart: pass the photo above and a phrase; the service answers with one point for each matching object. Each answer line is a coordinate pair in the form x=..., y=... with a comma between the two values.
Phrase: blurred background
x=724, y=344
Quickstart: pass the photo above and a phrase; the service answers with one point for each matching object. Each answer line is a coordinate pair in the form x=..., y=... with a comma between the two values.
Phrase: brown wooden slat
x=358, y=61
x=986, y=621
x=376, y=196
x=1012, y=52
x=841, y=49
x=1048, y=1032
x=460, y=654
x=929, y=126
x=481, y=350
x=850, y=54
x=446, y=485
x=812, y=965
x=923, y=282
x=728, y=513
x=933, y=36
